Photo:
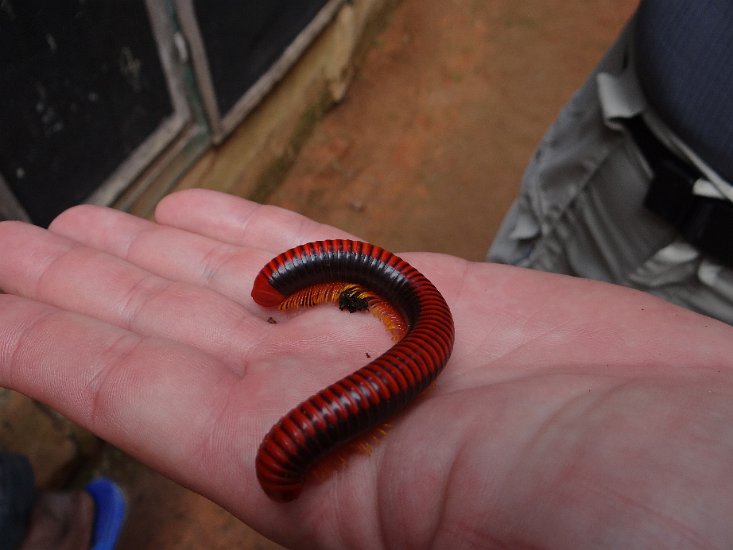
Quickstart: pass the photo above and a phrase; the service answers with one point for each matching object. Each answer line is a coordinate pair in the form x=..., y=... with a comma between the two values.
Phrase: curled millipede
x=357, y=276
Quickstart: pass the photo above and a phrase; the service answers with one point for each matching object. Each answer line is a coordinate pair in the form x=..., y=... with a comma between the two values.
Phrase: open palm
x=571, y=413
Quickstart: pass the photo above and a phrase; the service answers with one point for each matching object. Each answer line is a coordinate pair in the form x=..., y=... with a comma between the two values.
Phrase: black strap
x=705, y=222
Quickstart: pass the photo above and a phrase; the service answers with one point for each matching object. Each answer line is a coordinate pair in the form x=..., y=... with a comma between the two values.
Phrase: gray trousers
x=580, y=208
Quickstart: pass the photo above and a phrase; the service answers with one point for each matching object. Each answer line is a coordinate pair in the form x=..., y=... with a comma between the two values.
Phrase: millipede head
x=353, y=299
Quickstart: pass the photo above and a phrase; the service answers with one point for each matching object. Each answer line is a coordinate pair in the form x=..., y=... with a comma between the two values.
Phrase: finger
x=177, y=254
x=63, y=273
x=268, y=228
x=238, y=221
x=167, y=251
x=170, y=405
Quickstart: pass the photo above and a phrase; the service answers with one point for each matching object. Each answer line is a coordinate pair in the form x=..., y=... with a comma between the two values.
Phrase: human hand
x=572, y=413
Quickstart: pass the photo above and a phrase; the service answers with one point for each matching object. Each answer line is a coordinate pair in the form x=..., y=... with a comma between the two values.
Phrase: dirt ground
x=426, y=152
x=428, y=148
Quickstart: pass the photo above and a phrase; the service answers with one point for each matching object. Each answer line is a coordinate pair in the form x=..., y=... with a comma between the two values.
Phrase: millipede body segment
x=357, y=276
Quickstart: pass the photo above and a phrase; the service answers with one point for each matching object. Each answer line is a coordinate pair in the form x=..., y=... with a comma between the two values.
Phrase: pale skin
x=571, y=414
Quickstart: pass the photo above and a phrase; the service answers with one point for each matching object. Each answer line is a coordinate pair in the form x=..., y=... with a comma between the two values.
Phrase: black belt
x=705, y=222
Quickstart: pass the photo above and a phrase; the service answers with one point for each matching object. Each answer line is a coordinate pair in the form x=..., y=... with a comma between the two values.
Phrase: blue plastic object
x=109, y=504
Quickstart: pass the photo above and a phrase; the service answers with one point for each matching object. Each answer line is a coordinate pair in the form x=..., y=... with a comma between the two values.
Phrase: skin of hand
x=571, y=414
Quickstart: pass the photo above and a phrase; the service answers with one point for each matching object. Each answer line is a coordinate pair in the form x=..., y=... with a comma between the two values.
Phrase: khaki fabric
x=580, y=209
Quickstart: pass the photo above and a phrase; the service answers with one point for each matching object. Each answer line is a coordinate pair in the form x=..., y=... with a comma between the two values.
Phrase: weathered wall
x=269, y=138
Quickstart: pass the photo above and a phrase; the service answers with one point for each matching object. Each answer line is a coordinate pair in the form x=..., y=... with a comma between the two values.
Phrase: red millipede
x=358, y=276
